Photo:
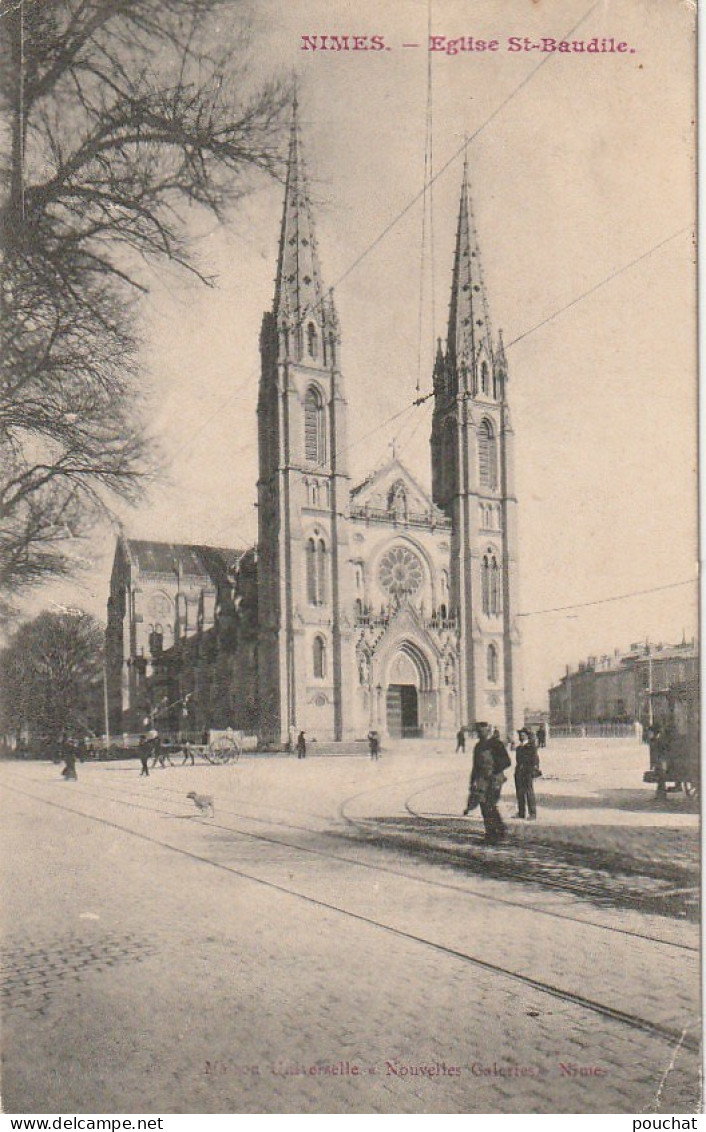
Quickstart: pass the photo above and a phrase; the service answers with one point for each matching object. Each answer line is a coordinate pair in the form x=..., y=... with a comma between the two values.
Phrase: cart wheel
x=220, y=750
x=691, y=789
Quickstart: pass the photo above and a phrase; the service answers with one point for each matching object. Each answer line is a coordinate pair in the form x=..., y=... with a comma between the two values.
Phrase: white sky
x=588, y=166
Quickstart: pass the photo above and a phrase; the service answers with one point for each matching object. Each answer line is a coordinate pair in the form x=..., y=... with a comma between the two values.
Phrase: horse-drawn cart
x=675, y=762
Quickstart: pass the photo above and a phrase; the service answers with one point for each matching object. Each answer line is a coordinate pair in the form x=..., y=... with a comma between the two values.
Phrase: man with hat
x=526, y=768
x=490, y=761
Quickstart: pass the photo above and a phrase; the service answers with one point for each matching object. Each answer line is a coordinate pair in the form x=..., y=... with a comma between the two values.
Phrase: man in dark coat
x=461, y=740
x=490, y=761
x=301, y=745
x=144, y=751
x=69, y=757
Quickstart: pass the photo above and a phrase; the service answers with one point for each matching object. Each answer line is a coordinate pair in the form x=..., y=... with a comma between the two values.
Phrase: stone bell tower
x=473, y=481
x=304, y=641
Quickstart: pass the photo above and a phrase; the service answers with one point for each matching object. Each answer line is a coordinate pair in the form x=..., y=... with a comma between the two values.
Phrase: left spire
x=299, y=289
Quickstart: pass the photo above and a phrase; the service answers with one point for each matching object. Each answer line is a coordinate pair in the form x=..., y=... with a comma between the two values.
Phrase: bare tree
x=51, y=676
x=124, y=113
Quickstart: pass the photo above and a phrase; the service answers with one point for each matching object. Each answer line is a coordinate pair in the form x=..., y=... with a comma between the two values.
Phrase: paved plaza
x=338, y=939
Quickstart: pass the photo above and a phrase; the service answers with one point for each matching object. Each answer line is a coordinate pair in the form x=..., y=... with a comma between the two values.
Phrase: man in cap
x=490, y=761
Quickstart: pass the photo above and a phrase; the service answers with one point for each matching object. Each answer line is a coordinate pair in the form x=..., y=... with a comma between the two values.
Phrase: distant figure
x=490, y=761
x=159, y=751
x=541, y=736
x=526, y=770
x=301, y=745
x=69, y=757
x=374, y=744
x=188, y=752
x=461, y=740
x=658, y=761
x=144, y=751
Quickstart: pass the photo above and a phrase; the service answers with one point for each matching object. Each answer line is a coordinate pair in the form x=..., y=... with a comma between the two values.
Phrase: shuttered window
x=487, y=455
x=314, y=428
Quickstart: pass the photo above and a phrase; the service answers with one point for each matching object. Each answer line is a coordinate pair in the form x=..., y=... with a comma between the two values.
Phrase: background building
x=617, y=689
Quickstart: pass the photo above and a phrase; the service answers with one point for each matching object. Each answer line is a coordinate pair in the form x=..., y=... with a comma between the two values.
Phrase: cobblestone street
x=336, y=939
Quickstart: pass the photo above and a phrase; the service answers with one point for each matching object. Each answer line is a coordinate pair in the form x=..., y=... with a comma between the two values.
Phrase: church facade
x=379, y=605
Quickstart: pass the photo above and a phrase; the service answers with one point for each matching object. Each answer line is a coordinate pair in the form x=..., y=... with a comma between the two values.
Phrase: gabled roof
x=193, y=561
x=385, y=476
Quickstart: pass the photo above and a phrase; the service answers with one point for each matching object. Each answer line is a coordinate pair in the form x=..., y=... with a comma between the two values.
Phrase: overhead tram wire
x=606, y=600
x=424, y=397
x=584, y=295
x=427, y=206
x=597, y=286
x=400, y=215
x=454, y=156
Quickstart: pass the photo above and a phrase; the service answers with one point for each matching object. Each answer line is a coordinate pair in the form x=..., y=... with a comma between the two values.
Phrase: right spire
x=469, y=339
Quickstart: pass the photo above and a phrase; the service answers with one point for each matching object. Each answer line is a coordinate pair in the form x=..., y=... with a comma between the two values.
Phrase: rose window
x=400, y=572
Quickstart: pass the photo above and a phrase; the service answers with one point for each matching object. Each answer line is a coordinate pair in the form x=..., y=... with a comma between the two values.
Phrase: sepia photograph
x=349, y=556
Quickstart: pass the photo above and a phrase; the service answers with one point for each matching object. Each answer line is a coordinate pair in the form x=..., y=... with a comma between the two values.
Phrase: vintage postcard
x=349, y=558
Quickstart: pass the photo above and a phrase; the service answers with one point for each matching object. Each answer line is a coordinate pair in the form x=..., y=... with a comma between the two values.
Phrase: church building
x=364, y=606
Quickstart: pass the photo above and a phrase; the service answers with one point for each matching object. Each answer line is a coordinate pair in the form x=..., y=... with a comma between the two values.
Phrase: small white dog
x=203, y=803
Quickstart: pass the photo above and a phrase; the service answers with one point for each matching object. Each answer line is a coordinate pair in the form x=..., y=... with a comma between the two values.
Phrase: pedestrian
x=526, y=770
x=301, y=745
x=159, y=751
x=188, y=752
x=541, y=736
x=461, y=740
x=374, y=745
x=69, y=757
x=154, y=745
x=490, y=761
x=144, y=750
x=661, y=749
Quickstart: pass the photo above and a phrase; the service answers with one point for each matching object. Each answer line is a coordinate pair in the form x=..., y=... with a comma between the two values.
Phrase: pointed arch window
x=321, y=571
x=492, y=664
x=314, y=427
x=491, y=586
x=312, y=345
x=316, y=570
x=484, y=383
x=487, y=455
x=311, y=584
x=397, y=501
x=319, y=658
x=448, y=458
x=495, y=596
x=485, y=584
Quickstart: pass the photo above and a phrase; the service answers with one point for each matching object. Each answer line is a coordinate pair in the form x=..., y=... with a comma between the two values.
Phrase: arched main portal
x=409, y=699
